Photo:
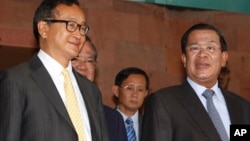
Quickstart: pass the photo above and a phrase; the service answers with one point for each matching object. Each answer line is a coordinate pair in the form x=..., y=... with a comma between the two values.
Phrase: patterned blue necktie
x=214, y=115
x=130, y=130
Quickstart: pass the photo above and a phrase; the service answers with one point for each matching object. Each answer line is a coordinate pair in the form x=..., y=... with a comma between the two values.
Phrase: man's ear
x=146, y=93
x=184, y=59
x=224, y=58
x=43, y=28
x=115, y=90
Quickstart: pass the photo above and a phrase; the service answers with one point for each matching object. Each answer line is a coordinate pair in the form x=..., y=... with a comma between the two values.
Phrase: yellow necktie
x=73, y=106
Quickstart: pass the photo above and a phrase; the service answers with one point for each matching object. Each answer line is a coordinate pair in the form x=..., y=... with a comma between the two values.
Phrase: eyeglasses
x=130, y=89
x=84, y=60
x=197, y=48
x=71, y=26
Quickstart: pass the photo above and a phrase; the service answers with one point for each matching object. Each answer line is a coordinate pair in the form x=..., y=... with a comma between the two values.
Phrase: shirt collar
x=134, y=117
x=199, y=89
x=51, y=64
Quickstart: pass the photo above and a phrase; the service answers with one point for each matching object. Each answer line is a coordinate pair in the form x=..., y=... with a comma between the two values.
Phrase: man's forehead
x=72, y=12
x=195, y=42
x=86, y=55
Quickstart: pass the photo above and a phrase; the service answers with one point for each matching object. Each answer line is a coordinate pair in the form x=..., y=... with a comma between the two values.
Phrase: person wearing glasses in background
x=85, y=64
x=44, y=99
x=131, y=88
x=198, y=109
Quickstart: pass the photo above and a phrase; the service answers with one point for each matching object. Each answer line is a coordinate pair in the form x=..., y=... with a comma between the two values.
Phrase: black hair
x=126, y=72
x=225, y=70
x=45, y=11
x=202, y=26
x=93, y=47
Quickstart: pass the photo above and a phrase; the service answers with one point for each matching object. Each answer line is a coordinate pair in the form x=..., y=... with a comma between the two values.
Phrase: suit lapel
x=89, y=98
x=194, y=106
x=234, y=109
x=140, y=125
x=44, y=81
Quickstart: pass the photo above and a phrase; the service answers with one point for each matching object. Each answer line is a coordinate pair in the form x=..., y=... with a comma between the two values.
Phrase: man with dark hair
x=130, y=88
x=198, y=109
x=44, y=99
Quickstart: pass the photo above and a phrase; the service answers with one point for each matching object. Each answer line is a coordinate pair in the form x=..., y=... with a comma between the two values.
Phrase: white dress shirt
x=219, y=102
x=135, y=119
x=55, y=71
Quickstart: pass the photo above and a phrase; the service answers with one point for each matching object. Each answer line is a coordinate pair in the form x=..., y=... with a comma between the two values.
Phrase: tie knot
x=129, y=121
x=208, y=94
x=65, y=72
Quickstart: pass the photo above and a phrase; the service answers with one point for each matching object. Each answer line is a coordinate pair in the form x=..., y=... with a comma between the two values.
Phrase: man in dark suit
x=34, y=103
x=131, y=88
x=182, y=112
x=85, y=64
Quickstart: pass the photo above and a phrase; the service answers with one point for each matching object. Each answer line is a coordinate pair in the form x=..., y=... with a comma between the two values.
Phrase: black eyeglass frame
x=82, y=28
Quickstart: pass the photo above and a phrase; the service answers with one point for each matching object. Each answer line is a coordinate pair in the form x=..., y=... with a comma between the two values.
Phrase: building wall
x=134, y=34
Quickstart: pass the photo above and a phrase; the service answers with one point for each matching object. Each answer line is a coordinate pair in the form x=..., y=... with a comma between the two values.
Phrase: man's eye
x=71, y=25
x=83, y=28
x=129, y=88
x=90, y=61
x=194, y=48
x=210, y=48
x=141, y=89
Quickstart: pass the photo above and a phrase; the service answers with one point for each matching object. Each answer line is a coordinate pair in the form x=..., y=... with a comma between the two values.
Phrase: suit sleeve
x=11, y=103
x=103, y=124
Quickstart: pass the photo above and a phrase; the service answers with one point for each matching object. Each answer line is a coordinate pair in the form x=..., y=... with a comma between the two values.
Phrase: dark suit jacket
x=140, y=125
x=115, y=123
x=140, y=116
x=32, y=110
x=176, y=114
